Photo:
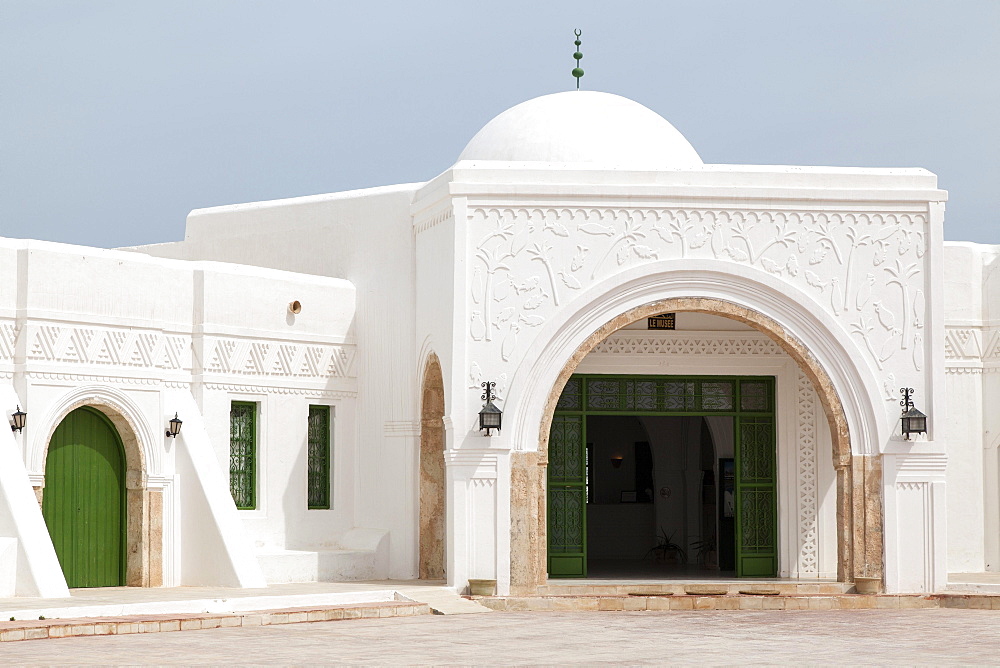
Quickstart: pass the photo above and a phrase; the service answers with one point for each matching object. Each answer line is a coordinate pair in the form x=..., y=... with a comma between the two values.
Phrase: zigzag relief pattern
x=632, y=344
x=245, y=357
x=963, y=343
x=806, y=469
x=967, y=343
x=864, y=268
x=8, y=337
x=116, y=347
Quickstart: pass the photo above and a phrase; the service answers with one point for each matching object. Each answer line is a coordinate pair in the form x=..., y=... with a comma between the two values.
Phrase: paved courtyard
x=935, y=636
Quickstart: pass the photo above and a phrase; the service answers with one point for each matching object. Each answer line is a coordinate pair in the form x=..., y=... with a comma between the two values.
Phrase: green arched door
x=84, y=499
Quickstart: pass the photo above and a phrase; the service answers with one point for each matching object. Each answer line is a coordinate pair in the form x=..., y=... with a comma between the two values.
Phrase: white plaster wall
x=825, y=251
x=244, y=353
x=436, y=266
x=543, y=244
x=143, y=338
x=847, y=261
x=365, y=237
x=29, y=563
x=213, y=546
x=534, y=246
x=972, y=352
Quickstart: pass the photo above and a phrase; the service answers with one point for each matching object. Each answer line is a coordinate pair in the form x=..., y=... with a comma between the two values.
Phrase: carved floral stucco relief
x=864, y=268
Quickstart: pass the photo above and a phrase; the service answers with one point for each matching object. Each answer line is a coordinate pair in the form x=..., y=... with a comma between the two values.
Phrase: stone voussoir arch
x=859, y=504
x=431, y=492
x=144, y=505
x=136, y=433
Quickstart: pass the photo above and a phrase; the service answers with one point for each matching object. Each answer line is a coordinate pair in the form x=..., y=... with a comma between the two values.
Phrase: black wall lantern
x=913, y=421
x=20, y=418
x=490, y=416
x=175, y=427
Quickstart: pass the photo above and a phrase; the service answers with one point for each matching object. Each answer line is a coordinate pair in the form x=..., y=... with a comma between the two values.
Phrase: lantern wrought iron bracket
x=911, y=421
x=174, y=428
x=19, y=419
x=490, y=417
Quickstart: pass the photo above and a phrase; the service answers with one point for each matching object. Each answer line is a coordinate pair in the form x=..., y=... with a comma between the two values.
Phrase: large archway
x=432, y=473
x=143, y=517
x=859, y=498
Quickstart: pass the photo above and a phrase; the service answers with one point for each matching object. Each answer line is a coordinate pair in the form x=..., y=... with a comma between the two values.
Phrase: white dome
x=583, y=127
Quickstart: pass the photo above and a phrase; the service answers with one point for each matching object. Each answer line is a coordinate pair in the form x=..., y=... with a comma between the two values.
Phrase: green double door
x=748, y=400
x=84, y=499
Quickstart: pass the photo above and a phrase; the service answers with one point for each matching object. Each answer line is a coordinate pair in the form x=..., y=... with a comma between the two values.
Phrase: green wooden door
x=749, y=400
x=756, y=497
x=567, y=507
x=84, y=499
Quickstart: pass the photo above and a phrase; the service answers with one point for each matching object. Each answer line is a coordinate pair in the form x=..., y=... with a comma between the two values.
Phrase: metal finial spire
x=577, y=71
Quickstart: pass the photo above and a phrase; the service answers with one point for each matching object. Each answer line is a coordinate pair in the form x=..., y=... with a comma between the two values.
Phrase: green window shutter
x=319, y=458
x=243, y=454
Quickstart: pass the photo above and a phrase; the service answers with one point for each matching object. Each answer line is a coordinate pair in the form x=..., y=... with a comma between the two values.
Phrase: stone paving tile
x=886, y=637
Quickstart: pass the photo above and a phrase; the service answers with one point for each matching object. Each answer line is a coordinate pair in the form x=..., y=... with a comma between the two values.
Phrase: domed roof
x=583, y=127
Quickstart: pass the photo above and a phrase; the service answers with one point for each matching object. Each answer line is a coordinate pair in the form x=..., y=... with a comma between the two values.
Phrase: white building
x=326, y=356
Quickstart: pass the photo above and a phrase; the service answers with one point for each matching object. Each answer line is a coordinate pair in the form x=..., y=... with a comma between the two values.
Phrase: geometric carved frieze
x=628, y=343
x=8, y=337
x=962, y=343
x=425, y=222
x=807, y=419
x=407, y=428
x=113, y=347
x=256, y=388
x=266, y=358
x=922, y=463
x=972, y=344
x=81, y=377
x=964, y=371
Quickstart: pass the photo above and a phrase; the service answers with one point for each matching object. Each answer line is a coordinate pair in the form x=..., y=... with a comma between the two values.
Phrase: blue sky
x=118, y=118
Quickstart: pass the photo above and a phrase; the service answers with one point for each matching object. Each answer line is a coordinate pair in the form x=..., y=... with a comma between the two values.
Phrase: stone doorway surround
x=432, y=473
x=859, y=477
x=143, y=502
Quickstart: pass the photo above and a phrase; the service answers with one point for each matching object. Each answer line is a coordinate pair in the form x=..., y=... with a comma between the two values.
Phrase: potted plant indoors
x=666, y=550
x=707, y=552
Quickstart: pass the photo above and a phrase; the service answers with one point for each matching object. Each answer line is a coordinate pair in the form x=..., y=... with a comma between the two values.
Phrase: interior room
x=660, y=497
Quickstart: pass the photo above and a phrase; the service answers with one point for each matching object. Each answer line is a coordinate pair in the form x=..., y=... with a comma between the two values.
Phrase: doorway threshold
x=689, y=586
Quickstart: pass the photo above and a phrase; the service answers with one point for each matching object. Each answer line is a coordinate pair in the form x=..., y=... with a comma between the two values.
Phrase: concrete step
x=38, y=629
x=737, y=602
x=445, y=601
x=168, y=604
x=983, y=583
x=283, y=566
x=680, y=588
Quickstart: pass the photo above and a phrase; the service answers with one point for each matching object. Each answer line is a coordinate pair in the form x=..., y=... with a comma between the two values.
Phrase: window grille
x=319, y=458
x=243, y=454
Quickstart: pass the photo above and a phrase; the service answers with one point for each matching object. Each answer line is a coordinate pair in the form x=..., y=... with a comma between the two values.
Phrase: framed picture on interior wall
x=628, y=497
